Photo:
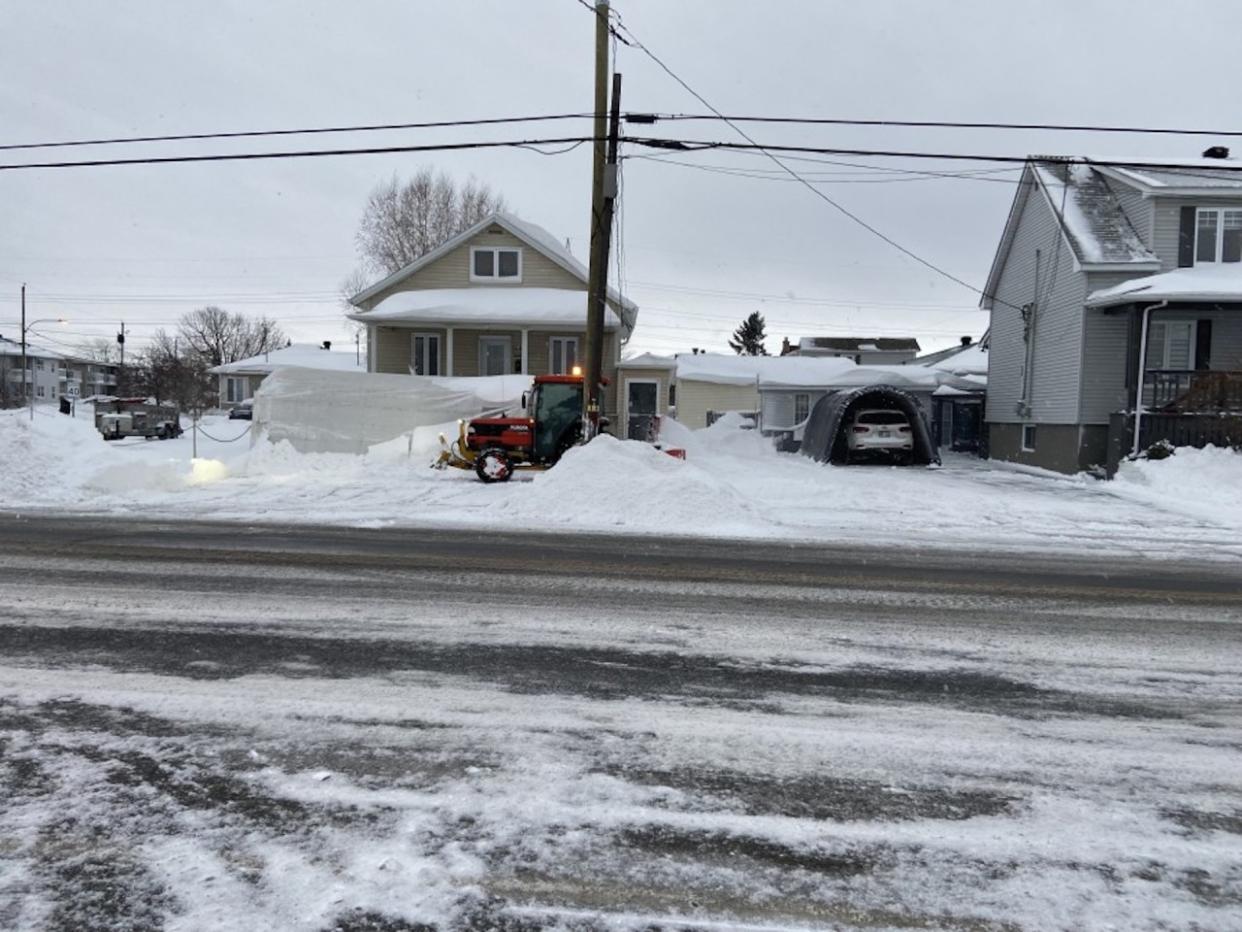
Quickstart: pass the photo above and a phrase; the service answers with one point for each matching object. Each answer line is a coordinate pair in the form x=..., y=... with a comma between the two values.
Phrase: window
x=39, y=391
x=563, y=355
x=1218, y=235
x=802, y=407
x=236, y=389
x=1028, y=438
x=425, y=353
x=38, y=363
x=493, y=263
x=1171, y=344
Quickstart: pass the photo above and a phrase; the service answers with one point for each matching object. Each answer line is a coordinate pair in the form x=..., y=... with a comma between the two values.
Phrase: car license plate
x=885, y=433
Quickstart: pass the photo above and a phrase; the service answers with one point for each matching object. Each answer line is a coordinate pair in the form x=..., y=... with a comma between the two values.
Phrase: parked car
x=242, y=412
x=881, y=431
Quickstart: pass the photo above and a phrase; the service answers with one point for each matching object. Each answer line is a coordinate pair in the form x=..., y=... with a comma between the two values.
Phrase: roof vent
x=1216, y=152
x=966, y=341
x=327, y=344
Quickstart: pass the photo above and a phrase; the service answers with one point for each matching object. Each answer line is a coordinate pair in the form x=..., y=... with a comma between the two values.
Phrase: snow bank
x=40, y=457
x=610, y=482
x=348, y=412
x=1203, y=483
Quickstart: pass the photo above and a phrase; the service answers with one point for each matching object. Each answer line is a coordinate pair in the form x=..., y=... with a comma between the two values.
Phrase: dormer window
x=1218, y=235
x=495, y=264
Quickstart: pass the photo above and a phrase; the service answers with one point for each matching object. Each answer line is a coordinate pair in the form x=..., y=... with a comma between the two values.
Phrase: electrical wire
x=887, y=179
x=304, y=153
x=928, y=124
x=254, y=134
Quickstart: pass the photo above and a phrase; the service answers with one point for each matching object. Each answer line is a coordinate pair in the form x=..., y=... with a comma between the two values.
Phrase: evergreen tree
x=748, y=338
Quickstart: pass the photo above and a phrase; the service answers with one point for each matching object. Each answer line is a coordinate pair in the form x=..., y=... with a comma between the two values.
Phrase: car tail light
x=904, y=428
x=860, y=429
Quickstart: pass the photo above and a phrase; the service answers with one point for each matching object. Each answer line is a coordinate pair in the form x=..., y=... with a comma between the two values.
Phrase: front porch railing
x=1192, y=390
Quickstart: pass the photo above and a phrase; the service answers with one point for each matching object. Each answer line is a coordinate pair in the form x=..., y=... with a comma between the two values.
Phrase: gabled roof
x=855, y=344
x=1087, y=212
x=648, y=361
x=498, y=306
x=531, y=234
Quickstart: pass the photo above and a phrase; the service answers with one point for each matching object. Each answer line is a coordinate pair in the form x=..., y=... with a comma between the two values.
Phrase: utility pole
x=25, y=392
x=598, y=272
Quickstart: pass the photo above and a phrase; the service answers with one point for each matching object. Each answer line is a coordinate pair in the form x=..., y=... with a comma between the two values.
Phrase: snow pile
x=306, y=355
x=349, y=412
x=610, y=482
x=1203, y=483
x=42, y=458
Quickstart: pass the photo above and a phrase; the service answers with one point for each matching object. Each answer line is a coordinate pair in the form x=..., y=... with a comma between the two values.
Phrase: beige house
x=503, y=297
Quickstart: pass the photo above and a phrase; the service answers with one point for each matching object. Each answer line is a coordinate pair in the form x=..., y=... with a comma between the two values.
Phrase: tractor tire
x=493, y=465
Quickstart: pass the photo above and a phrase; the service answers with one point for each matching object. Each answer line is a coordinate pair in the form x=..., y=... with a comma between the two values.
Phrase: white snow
x=1081, y=227
x=731, y=484
x=305, y=355
x=486, y=305
x=776, y=372
x=1204, y=282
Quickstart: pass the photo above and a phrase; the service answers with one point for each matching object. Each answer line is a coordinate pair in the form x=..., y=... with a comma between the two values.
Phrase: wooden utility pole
x=25, y=388
x=598, y=272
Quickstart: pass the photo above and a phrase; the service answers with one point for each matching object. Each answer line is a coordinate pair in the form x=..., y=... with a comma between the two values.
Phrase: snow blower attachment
x=495, y=446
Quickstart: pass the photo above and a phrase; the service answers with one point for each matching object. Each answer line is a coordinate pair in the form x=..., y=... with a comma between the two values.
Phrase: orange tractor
x=495, y=446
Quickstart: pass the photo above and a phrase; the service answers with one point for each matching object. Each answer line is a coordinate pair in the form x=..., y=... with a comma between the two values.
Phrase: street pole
x=598, y=272
x=26, y=393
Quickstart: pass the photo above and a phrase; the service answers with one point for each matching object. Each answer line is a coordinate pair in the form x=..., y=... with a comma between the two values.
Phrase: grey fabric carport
x=825, y=439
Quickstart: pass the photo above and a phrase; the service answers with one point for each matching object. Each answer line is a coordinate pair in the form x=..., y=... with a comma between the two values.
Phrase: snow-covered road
x=224, y=727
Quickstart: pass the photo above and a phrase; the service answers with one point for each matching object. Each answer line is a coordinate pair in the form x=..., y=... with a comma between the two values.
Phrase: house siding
x=662, y=378
x=1057, y=334
x=695, y=399
x=1105, y=350
x=1167, y=222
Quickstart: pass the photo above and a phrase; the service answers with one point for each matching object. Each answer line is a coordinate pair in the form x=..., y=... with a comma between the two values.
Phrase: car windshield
x=881, y=417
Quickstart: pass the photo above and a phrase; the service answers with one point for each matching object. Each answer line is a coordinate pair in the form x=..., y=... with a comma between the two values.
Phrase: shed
x=825, y=439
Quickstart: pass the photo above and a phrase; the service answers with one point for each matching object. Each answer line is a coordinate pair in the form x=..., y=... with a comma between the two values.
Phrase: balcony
x=1192, y=391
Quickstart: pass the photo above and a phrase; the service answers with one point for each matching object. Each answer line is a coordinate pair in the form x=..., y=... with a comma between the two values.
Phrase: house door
x=966, y=426
x=494, y=355
x=641, y=403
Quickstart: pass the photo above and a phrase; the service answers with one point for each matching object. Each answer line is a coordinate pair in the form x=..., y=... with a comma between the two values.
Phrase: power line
x=826, y=302
x=254, y=134
x=886, y=179
x=808, y=185
x=304, y=153
x=649, y=118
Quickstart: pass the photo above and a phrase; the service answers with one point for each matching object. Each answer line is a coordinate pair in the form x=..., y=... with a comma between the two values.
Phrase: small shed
x=646, y=391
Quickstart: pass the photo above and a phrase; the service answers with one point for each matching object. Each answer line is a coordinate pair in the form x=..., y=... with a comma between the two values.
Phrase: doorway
x=642, y=399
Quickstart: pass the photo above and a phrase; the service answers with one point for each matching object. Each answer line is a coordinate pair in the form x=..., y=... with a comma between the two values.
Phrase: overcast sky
x=701, y=248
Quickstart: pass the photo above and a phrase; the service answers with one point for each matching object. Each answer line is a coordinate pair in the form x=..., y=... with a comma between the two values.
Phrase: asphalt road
x=224, y=726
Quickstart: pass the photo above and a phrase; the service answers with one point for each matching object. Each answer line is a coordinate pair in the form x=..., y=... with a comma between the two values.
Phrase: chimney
x=1216, y=152
x=966, y=341
x=785, y=347
x=327, y=344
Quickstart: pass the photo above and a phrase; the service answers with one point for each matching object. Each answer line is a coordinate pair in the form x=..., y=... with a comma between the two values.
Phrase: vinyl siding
x=1167, y=222
x=624, y=376
x=695, y=399
x=392, y=348
x=1056, y=360
x=1105, y=349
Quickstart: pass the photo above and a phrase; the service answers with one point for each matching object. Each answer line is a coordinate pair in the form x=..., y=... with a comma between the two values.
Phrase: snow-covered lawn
x=732, y=484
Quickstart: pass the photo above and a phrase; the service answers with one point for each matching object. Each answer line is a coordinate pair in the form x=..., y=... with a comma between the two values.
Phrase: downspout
x=1142, y=374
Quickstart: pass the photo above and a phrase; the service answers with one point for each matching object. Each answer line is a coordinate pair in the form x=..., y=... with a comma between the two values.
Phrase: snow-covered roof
x=773, y=373
x=303, y=355
x=14, y=348
x=968, y=360
x=532, y=234
x=1222, y=176
x=649, y=361
x=1207, y=282
x=1091, y=217
x=508, y=306
x=853, y=344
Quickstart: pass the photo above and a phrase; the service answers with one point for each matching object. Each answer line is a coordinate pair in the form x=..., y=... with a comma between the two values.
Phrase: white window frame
x=1162, y=360
x=803, y=395
x=495, y=277
x=638, y=381
x=497, y=338
x=236, y=388
x=1220, y=232
x=563, y=369
x=426, y=337
x=1029, y=440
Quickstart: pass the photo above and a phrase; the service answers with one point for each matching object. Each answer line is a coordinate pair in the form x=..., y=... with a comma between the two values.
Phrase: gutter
x=1142, y=374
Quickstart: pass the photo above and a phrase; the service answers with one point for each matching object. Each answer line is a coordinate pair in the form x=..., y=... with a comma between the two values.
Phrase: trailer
x=117, y=418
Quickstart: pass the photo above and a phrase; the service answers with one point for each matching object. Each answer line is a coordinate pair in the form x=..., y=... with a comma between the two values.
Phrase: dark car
x=242, y=412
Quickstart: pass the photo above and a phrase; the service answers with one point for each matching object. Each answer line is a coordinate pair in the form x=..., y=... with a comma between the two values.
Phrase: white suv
x=881, y=431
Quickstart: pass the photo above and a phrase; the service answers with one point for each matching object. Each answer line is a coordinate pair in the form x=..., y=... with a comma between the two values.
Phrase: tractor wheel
x=493, y=465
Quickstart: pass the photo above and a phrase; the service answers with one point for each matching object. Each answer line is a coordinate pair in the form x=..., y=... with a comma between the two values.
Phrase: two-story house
x=502, y=297
x=1116, y=310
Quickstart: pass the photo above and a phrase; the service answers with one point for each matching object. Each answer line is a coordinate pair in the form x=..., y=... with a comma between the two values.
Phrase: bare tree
x=98, y=349
x=217, y=336
x=403, y=221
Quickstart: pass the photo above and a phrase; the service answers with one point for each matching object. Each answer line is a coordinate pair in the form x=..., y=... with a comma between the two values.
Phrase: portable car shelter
x=825, y=438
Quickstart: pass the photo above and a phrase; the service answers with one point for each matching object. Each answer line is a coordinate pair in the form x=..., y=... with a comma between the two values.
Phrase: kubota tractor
x=494, y=446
